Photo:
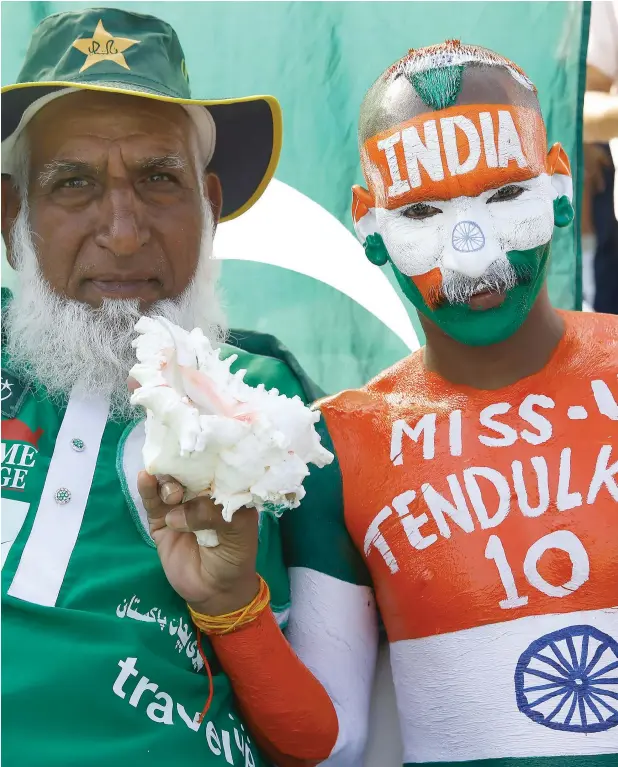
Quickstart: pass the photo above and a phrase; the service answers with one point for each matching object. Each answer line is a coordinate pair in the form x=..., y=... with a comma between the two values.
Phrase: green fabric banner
x=291, y=265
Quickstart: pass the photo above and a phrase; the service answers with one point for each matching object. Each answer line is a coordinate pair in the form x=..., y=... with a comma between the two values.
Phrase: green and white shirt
x=100, y=661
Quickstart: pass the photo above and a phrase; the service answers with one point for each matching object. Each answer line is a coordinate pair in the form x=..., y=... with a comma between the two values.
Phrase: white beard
x=59, y=341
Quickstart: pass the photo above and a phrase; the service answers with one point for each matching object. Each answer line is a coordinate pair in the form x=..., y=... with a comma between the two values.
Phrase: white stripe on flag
x=457, y=699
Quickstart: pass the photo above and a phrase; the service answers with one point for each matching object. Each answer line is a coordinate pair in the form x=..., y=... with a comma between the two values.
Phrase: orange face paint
x=459, y=151
x=430, y=286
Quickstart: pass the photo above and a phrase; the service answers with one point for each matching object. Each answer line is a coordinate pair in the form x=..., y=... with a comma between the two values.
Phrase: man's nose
x=122, y=229
x=471, y=247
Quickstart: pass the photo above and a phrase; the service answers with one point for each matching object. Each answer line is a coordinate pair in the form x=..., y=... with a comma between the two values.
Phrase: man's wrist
x=230, y=600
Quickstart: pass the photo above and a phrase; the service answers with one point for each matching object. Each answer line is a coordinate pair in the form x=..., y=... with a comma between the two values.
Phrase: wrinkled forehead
x=453, y=132
x=85, y=125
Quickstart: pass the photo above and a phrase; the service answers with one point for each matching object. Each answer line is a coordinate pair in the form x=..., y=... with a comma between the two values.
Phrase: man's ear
x=214, y=194
x=11, y=203
x=365, y=226
x=559, y=168
x=363, y=213
x=563, y=211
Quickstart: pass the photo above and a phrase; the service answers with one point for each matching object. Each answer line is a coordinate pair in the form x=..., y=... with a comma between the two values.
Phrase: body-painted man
x=476, y=489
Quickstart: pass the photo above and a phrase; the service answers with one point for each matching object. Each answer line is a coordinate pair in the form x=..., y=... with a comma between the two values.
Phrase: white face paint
x=468, y=234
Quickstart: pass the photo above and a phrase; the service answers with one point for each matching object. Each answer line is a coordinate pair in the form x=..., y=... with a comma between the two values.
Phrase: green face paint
x=482, y=328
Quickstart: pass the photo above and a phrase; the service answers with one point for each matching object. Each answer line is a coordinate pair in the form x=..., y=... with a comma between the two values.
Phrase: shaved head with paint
x=462, y=193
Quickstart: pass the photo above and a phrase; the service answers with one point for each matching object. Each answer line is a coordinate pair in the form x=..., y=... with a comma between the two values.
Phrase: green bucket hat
x=110, y=50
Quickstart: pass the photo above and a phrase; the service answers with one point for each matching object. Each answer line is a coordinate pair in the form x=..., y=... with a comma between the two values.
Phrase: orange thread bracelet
x=225, y=624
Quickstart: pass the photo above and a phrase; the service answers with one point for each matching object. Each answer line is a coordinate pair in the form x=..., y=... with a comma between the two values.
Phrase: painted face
x=463, y=203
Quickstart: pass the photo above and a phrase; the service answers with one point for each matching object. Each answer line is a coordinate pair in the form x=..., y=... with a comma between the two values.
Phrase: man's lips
x=486, y=299
x=482, y=299
x=126, y=288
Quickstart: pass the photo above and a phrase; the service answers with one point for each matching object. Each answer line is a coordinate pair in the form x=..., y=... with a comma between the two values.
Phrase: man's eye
x=157, y=178
x=510, y=192
x=73, y=183
x=420, y=211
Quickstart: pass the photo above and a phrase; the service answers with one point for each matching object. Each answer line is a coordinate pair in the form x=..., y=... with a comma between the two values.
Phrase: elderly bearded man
x=109, y=213
x=476, y=487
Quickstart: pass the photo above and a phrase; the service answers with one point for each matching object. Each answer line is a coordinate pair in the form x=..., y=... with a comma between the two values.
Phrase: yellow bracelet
x=225, y=624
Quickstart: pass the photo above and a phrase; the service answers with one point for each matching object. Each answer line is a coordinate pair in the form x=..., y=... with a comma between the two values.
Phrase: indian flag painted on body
x=565, y=678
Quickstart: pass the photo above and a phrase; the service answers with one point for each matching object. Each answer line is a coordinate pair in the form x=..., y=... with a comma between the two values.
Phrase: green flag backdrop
x=291, y=265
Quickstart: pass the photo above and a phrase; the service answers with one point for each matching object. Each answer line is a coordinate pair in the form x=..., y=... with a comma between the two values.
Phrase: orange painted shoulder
x=592, y=336
x=593, y=325
x=368, y=396
x=403, y=375
x=344, y=401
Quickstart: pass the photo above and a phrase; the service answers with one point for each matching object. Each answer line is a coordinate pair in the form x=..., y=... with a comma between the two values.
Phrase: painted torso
x=488, y=520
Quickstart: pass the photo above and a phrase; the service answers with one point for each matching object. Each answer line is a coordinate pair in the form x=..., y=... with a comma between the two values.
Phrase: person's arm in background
x=333, y=618
x=601, y=105
x=600, y=109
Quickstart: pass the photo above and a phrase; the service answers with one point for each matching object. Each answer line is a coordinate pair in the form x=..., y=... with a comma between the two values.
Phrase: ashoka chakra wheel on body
x=568, y=680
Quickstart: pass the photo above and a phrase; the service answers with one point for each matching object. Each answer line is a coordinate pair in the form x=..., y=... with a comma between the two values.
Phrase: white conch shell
x=207, y=428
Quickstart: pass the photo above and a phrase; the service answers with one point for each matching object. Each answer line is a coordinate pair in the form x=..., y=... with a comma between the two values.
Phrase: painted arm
x=289, y=712
x=333, y=618
x=307, y=701
x=333, y=629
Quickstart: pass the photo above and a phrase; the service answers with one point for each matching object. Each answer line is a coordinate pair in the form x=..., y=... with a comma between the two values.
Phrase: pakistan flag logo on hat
x=104, y=47
x=116, y=51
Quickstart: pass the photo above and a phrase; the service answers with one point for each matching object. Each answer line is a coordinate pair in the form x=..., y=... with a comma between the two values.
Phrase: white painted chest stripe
x=45, y=558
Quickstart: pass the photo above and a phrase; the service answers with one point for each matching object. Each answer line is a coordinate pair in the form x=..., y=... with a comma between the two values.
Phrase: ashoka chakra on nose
x=468, y=237
x=568, y=680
